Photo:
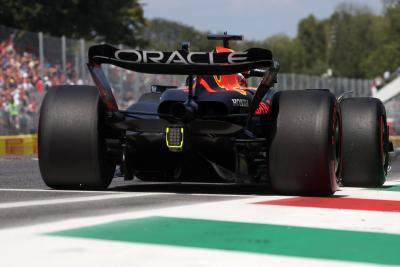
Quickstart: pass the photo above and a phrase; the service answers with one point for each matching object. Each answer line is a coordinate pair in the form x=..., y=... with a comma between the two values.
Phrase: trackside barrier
x=395, y=140
x=18, y=144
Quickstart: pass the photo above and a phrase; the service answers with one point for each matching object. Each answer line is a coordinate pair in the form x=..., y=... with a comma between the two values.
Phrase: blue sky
x=255, y=19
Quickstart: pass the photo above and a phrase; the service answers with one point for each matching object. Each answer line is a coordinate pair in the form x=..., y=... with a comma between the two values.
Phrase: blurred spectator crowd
x=21, y=88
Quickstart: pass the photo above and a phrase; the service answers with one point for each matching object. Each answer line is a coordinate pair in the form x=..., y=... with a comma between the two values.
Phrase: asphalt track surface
x=25, y=201
x=20, y=182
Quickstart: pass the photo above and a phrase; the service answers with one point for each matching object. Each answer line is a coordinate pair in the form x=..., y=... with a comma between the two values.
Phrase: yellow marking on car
x=174, y=138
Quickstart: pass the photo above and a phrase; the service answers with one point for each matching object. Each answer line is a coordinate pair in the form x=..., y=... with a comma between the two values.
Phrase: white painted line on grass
x=22, y=204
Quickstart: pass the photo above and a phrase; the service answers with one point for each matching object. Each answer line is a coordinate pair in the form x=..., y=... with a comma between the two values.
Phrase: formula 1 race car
x=212, y=129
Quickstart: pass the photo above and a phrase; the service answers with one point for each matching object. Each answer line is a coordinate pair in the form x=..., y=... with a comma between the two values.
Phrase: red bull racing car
x=214, y=128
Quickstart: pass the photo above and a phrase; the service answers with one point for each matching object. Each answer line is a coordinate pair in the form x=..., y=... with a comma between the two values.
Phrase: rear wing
x=181, y=62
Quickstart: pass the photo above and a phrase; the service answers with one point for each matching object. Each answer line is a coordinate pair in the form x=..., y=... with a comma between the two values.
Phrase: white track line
x=75, y=222
x=59, y=191
x=33, y=203
x=124, y=192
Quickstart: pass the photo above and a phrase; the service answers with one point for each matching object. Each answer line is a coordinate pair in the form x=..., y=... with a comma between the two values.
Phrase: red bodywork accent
x=103, y=86
x=204, y=84
x=263, y=108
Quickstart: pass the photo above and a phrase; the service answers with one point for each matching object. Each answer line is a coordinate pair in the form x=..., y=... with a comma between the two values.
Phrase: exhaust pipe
x=184, y=111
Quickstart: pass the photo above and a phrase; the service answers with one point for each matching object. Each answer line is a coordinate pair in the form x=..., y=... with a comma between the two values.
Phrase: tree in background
x=387, y=55
x=289, y=52
x=390, y=3
x=117, y=21
x=357, y=34
x=353, y=42
x=311, y=37
x=163, y=34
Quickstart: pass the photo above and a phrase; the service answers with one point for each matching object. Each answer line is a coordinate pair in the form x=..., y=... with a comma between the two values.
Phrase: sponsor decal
x=177, y=57
x=240, y=102
x=14, y=146
x=18, y=145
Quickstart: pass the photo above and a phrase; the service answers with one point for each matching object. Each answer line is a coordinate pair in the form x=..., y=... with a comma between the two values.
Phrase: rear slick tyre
x=364, y=142
x=72, y=152
x=302, y=154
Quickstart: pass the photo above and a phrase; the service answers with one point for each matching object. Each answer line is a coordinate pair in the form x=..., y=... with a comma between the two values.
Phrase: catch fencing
x=337, y=85
x=32, y=62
